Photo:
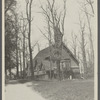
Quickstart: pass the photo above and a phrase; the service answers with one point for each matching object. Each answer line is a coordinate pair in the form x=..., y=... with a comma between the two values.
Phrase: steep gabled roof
x=46, y=52
x=43, y=53
x=71, y=54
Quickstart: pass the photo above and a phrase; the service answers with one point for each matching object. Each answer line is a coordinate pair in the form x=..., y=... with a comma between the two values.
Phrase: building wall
x=65, y=55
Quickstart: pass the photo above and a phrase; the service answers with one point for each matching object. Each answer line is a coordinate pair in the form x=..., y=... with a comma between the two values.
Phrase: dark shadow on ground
x=23, y=81
x=19, y=81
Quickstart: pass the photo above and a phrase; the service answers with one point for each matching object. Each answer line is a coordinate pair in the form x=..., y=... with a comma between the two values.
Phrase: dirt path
x=21, y=92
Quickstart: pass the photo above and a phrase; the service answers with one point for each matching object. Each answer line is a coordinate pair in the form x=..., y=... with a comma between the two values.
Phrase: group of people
x=64, y=74
x=65, y=71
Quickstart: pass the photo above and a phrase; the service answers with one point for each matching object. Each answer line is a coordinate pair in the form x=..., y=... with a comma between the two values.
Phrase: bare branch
x=24, y=26
x=27, y=13
x=46, y=14
x=34, y=45
x=11, y=2
x=43, y=34
x=91, y=4
x=64, y=16
x=87, y=13
x=53, y=4
x=51, y=8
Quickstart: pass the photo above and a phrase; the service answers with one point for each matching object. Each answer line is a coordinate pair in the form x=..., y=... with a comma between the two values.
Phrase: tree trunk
x=28, y=13
x=58, y=48
x=23, y=56
x=84, y=55
x=10, y=72
x=58, y=67
x=17, y=67
x=75, y=52
x=21, y=65
x=90, y=36
x=82, y=43
x=30, y=51
x=91, y=49
x=84, y=63
x=50, y=63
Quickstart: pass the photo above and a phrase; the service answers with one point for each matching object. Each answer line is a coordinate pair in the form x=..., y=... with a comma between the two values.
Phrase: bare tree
x=74, y=43
x=64, y=15
x=29, y=19
x=23, y=30
x=20, y=56
x=89, y=15
x=10, y=35
x=90, y=37
x=57, y=23
x=17, y=32
x=83, y=44
x=90, y=2
x=49, y=38
x=50, y=46
x=87, y=8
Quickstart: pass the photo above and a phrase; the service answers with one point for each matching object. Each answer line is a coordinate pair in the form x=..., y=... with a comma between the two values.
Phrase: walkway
x=21, y=92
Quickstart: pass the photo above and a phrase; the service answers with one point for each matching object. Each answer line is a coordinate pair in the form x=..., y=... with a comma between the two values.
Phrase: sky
x=71, y=21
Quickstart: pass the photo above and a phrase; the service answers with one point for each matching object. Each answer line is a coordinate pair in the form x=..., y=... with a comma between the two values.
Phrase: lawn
x=65, y=90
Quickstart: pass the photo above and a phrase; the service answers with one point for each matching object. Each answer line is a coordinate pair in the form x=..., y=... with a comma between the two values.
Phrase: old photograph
x=50, y=50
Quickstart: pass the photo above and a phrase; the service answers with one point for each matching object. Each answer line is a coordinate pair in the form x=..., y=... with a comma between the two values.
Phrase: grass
x=65, y=90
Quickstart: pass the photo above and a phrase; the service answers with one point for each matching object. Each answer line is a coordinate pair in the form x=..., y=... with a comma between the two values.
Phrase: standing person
x=55, y=73
x=71, y=74
x=62, y=70
x=37, y=70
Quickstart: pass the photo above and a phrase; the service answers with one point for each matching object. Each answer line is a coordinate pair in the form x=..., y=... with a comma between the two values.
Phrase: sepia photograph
x=49, y=50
